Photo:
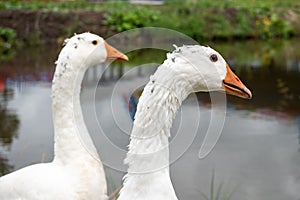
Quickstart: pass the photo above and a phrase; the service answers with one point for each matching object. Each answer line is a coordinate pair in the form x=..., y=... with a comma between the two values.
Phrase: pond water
x=256, y=157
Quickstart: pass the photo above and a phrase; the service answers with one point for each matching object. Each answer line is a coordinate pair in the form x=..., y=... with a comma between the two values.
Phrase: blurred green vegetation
x=121, y=18
x=7, y=42
x=202, y=20
x=82, y=4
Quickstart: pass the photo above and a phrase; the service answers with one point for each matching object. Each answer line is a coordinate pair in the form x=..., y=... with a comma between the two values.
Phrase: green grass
x=220, y=193
x=71, y=5
x=202, y=20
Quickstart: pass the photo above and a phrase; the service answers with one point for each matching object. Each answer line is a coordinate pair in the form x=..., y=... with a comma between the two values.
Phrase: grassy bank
x=202, y=20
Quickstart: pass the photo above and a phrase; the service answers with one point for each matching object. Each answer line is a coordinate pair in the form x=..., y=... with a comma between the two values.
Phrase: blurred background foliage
x=202, y=20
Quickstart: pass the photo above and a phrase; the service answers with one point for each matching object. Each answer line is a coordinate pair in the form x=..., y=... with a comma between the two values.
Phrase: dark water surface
x=256, y=157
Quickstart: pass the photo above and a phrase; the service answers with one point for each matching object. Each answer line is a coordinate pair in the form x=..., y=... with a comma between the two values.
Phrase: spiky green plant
x=221, y=193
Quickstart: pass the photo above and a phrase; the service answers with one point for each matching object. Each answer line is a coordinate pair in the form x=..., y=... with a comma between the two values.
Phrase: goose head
x=206, y=70
x=88, y=50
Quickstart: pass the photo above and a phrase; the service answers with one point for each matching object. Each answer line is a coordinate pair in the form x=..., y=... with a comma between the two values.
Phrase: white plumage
x=187, y=69
x=76, y=172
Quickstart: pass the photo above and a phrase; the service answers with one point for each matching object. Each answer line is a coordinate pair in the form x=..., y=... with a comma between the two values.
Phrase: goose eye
x=213, y=58
x=95, y=42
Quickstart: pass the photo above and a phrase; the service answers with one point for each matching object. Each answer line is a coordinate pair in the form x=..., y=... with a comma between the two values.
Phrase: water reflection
x=270, y=122
x=17, y=70
x=9, y=125
x=271, y=70
x=5, y=167
x=9, y=122
x=298, y=123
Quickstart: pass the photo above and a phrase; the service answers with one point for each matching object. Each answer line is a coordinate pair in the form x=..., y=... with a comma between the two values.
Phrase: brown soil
x=52, y=26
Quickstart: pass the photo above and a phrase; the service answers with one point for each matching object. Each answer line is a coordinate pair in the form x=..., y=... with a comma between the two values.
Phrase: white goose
x=187, y=69
x=75, y=173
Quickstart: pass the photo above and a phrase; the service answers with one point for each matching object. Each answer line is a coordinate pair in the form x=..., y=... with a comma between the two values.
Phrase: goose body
x=76, y=173
x=187, y=69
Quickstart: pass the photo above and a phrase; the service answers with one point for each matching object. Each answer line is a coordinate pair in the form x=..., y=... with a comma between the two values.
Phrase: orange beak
x=113, y=53
x=234, y=86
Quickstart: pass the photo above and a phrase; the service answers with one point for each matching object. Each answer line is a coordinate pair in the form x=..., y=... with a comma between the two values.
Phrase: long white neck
x=148, y=156
x=71, y=135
